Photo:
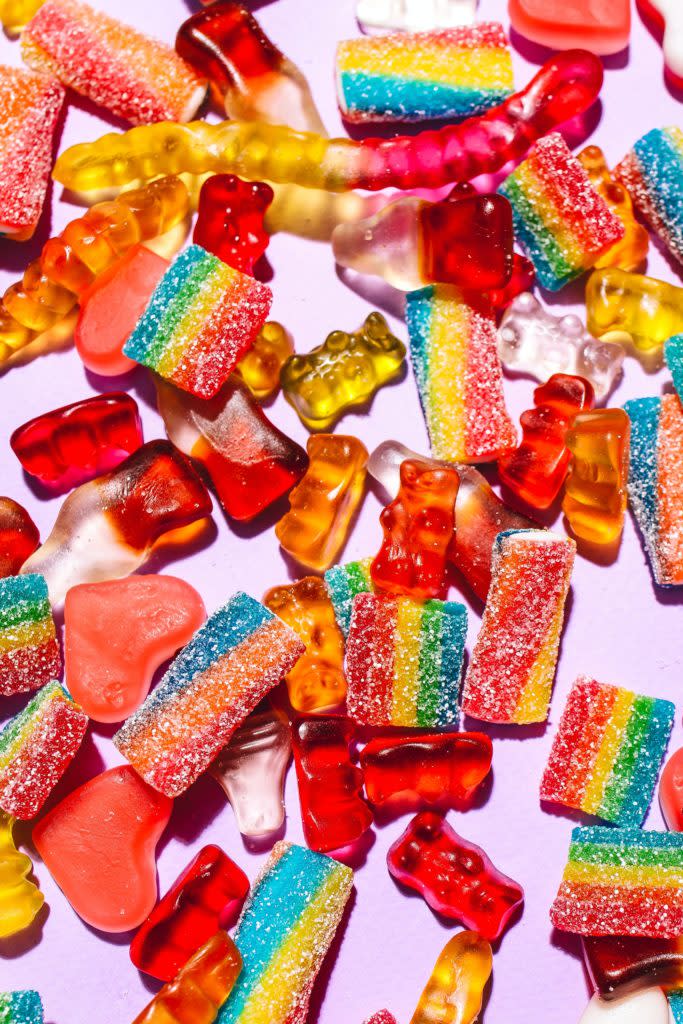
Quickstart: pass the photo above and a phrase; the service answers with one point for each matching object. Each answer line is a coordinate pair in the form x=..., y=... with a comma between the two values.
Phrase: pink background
x=619, y=628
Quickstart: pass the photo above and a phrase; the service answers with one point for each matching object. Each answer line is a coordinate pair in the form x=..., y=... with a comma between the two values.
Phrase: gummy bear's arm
x=564, y=87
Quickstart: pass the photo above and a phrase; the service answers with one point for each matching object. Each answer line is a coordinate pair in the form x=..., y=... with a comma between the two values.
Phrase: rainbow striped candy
x=673, y=355
x=240, y=653
x=560, y=218
x=404, y=661
x=607, y=752
x=201, y=319
x=453, y=350
x=510, y=675
x=622, y=881
x=36, y=748
x=655, y=482
x=652, y=172
x=283, y=935
x=21, y=1007
x=29, y=653
x=454, y=73
x=343, y=583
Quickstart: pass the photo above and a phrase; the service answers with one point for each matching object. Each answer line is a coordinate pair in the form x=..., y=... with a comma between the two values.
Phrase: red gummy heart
x=117, y=633
x=98, y=844
x=603, y=26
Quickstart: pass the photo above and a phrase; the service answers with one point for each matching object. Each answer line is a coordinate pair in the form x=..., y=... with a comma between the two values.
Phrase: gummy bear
x=249, y=461
x=644, y=309
x=455, y=877
x=206, y=894
x=98, y=845
x=20, y=899
x=418, y=528
x=19, y=536
x=630, y=252
x=603, y=26
x=71, y=445
x=620, y=964
x=455, y=989
x=155, y=490
x=230, y=220
x=595, y=492
x=346, y=370
x=251, y=770
x=14, y=14
x=260, y=368
x=536, y=470
x=117, y=634
x=323, y=503
x=333, y=811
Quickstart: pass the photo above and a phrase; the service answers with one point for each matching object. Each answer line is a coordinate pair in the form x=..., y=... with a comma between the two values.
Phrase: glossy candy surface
x=630, y=252
x=404, y=661
x=230, y=220
x=346, y=370
x=645, y=310
x=456, y=986
x=536, y=470
x=652, y=171
x=414, y=15
x=20, y=899
x=29, y=652
x=98, y=845
x=620, y=964
x=333, y=811
x=107, y=528
x=510, y=674
x=116, y=635
x=68, y=446
x=671, y=792
x=603, y=26
x=260, y=367
x=595, y=490
x=19, y=536
x=210, y=890
x=317, y=680
x=456, y=878
x=666, y=15
x=233, y=660
x=639, y=1008
x=323, y=503
x=14, y=14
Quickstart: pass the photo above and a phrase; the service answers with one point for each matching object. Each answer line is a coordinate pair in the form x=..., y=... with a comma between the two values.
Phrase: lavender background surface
x=619, y=627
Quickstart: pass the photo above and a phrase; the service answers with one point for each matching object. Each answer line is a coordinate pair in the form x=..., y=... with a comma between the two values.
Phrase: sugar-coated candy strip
x=673, y=356
x=381, y=1017
x=133, y=76
x=19, y=536
x=20, y=899
x=511, y=670
x=564, y=87
x=288, y=923
x=344, y=582
x=24, y=1007
x=233, y=660
x=457, y=982
x=655, y=483
x=652, y=171
x=622, y=881
x=448, y=74
x=453, y=351
x=404, y=661
x=36, y=748
x=607, y=752
x=30, y=108
x=29, y=652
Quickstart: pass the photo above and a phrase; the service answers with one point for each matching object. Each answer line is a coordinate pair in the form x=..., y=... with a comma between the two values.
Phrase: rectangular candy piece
x=404, y=661
x=36, y=748
x=343, y=583
x=607, y=752
x=560, y=218
x=133, y=76
x=454, y=73
x=511, y=671
x=453, y=350
x=21, y=1007
x=29, y=653
x=673, y=356
x=201, y=319
x=652, y=172
x=30, y=106
x=283, y=935
x=240, y=653
x=622, y=881
x=655, y=483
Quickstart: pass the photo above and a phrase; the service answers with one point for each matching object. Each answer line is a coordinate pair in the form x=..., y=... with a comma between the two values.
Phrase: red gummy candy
x=456, y=878
x=671, y=792
x=208, y=893
x=602, y=26
x=71, y=445
x=521, y=280
x=98, y=844
x=19, y=537
x=333, y=812
x=230, y=220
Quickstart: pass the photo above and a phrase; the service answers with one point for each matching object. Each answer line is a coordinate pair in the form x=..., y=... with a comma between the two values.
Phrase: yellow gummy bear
x=648, y=311
x=20, y=900
x=454, y=992
x=630, y=251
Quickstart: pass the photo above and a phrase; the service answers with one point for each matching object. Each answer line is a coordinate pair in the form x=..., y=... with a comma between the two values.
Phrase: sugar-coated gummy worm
x=564, y=87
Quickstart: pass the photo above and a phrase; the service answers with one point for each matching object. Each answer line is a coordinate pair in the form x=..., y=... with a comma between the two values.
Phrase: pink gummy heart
x=603, y=26
x=117, y=633
x=99, y=843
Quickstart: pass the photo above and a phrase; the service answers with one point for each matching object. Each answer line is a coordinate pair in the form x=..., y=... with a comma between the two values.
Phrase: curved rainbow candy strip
x=564, y=87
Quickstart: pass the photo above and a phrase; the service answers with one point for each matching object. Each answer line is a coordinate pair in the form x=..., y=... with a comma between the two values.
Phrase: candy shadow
x=193, y=811
x=14, y=946
x=168, y=554
x=538, y=53
x=570, y=944
x=264, y=843
x=322, y=980
x=375, y=291
x=153, y=985
x=355, y=854
x=598, y=554
x=506, y=732
x=557, y=810
x=245, y=529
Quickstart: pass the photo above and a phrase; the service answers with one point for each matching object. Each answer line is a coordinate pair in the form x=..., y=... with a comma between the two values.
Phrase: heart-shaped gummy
x=603, y=26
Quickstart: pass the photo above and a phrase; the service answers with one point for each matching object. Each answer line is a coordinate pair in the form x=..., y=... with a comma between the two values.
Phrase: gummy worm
x=565, y=86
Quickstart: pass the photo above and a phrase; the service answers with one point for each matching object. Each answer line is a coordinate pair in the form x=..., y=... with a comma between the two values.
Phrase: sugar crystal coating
x=29, y=653
x=652, y=171
x=343, y=583
x=21, y=1007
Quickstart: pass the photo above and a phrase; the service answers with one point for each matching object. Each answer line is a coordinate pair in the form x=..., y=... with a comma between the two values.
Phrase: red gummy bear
x=521, y=280
x=333, y=812
x=671, y=792
x=455, y=877
x=19, y=537
x=98, y=844
x=536, y=470
x=208, y=894
x=418, y=528
x=230, y=220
